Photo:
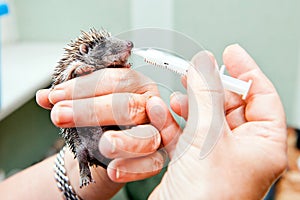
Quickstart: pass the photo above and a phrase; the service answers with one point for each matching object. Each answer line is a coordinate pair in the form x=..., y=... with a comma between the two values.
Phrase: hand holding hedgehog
x=90, y=52
x=134, y=152
x=74, y=96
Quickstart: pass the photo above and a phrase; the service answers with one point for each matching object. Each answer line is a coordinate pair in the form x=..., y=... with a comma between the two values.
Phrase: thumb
x=206, y=103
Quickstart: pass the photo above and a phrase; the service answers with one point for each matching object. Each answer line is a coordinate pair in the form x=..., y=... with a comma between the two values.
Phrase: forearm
x=38, y=182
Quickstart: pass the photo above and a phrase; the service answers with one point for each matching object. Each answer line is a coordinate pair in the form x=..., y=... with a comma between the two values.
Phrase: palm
x=251, y=152
x=257, y=139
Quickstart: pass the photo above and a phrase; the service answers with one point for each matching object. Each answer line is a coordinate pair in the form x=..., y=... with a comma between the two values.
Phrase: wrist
x=103, y=188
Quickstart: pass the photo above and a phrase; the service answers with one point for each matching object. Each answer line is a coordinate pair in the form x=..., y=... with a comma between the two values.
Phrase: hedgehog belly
x=84, y=143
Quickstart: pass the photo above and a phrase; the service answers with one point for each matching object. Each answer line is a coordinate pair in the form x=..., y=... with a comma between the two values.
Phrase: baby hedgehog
x=91, y=51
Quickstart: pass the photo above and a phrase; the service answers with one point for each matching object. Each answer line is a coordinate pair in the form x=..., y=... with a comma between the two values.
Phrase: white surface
x=26, y=67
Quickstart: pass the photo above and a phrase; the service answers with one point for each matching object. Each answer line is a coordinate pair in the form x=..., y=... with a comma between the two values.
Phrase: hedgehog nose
x=129, y=44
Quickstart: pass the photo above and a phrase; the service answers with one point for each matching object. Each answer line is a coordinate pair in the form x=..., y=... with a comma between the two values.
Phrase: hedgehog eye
x=83, y=48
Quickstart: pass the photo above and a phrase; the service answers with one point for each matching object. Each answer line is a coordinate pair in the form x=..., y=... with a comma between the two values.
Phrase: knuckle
x=107, y=144
x=156, y=141
x=137, y=109
x=157, y=162
x=132, y=81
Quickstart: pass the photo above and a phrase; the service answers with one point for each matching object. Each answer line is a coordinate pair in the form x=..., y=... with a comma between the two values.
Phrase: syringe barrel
x=235, y=85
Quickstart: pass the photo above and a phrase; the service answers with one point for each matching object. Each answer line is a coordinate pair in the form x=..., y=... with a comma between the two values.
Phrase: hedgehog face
x=111, y=52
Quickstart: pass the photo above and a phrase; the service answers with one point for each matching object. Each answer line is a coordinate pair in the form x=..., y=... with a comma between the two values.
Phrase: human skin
x=250, y=153
x=134, y=151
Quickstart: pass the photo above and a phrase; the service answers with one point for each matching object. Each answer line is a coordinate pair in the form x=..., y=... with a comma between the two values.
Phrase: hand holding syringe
x=180, y=66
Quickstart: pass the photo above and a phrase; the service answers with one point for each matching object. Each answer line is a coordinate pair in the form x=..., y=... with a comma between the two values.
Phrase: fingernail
x=117, y=173
x=173, y=95
x=38, y=92
x=108, y=145
x=56, y=96
x=204, y=63
x=113, y=146
x=62, y=115
x=39, y=97
x=177, y=95
x=236, y=44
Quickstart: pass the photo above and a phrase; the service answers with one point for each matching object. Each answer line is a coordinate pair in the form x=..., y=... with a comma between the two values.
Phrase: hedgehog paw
x=85, y=181
x=84, y=69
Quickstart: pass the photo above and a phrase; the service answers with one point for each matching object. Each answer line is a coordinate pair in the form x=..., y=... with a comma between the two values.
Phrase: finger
x=160, y=116
x=184, y=81
x=179, y=104
x=262, y=97
x=113, y=109
x=234, y=109
x=236, y=117
x=42, y=99
x=133, y=169
x=206, y=104
x=205, y=91
x=232, y=101
x=240, y=65
x=138, y=141
x=104, y=82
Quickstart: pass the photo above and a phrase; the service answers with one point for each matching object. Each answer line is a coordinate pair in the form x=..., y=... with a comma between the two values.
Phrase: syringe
x=173, y=63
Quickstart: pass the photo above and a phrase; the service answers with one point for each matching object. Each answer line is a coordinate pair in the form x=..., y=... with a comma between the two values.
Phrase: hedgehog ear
x=83, y=48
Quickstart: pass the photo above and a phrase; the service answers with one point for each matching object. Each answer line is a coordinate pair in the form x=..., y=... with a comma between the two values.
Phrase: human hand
x=110, y=97
x=250, y=153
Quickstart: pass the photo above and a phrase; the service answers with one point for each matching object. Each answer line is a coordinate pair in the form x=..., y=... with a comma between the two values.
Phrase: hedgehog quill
x=91, y=51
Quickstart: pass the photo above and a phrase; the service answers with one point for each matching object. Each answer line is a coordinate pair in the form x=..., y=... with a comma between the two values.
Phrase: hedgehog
x=91, y=51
